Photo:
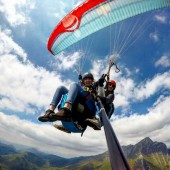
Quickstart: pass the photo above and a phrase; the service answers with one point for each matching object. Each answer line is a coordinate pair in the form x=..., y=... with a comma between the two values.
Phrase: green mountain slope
x=155, y=161
x=146, y=154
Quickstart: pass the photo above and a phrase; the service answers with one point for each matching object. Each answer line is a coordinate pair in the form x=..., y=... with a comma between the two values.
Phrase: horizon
x=21, y=148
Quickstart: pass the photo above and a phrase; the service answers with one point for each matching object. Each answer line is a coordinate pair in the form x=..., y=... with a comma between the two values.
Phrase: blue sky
x=30, y=75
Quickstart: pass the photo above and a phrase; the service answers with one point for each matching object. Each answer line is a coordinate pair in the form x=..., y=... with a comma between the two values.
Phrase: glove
x=80, y=77
x=101, y=80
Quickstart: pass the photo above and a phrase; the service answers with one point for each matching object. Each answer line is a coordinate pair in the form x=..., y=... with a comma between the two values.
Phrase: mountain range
x=146, y=154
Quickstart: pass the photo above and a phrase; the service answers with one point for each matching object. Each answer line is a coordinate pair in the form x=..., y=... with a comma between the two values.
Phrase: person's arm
x=101, y=91
x=110, y=98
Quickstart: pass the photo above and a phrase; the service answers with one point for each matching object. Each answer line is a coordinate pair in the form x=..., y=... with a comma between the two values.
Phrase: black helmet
x=88, y=75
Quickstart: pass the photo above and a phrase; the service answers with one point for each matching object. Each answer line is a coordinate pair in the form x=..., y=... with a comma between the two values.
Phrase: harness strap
x=87, y=96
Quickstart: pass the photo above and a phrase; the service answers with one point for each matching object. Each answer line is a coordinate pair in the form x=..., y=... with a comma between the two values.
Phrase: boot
x=94, y=123
x=61, y=127
x=63, y=114
x=45, y=117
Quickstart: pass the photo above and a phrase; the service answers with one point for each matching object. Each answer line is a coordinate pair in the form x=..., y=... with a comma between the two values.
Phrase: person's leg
x=61, y=127
x=95, y=122
x=65, y=113
x=60, y=91
x=74, y=91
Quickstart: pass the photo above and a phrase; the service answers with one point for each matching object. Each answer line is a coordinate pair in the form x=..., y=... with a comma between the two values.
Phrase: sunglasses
x=111, y=85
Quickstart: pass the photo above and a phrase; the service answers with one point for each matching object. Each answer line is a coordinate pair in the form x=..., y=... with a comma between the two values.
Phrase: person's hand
x=80, y=77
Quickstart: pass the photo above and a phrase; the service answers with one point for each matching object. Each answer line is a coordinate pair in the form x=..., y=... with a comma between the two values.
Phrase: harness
x=92, y=91
x=87, y=99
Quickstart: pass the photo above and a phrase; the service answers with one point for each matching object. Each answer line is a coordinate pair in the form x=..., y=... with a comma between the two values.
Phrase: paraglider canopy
x=94, y=15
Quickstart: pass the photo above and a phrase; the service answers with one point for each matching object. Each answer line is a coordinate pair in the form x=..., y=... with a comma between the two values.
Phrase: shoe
x=64, y=114
x=61, y=127
x=45, y=117
x=94, y=123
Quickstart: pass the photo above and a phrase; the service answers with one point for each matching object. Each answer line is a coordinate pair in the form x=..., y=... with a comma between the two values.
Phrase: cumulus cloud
x=150, y=87
x=155, y=124
x=99, y=67
x=67, y=61
x=8, y=46
x=124, y=92
x=16, y=11
x=164, y=61
x=129, y=92
x=22, y=84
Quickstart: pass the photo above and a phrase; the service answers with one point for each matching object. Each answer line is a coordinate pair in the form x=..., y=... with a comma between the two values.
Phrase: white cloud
x=77, y=3
x=150, y=87
x=128, y=91
x=124, y=91
x=16, y=11
x=67, y=62
x=61, y=11
x=8, y=46
x=22, y=84
x=99, y=67
x=62, y=8
x=154, y=124
x=164, y=61
x=154, y=36
x=121, y=100
x=161, y=18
